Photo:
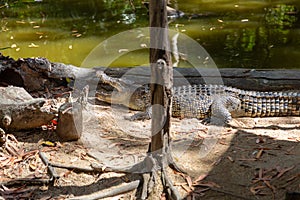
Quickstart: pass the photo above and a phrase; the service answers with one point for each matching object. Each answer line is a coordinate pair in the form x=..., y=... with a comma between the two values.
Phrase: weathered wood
x=247, y=79
x=161, y=73
x=18, y=110
x=42, y=78
x=37, y=75
x=70, y=124
x=161, y=93
x=109, y=193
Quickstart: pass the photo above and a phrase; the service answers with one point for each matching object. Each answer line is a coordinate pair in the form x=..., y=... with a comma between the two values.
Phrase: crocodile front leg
x=141, y=115
x=222, y=107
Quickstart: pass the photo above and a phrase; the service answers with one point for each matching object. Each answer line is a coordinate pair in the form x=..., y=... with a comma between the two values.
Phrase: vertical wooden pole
x=161, y=74
x=161, y=90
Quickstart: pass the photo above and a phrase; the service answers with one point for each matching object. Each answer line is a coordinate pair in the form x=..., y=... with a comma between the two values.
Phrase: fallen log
x=42, y=78
x=247, y=79
x=18, y=110
x=35, y=75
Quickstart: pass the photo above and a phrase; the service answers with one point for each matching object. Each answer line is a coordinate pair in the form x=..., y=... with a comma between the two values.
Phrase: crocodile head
x=124, y=93
x=133, y=98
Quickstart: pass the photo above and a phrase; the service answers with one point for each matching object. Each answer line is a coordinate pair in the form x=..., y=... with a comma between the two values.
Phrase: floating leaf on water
x=140, y=35
x=77, y=34
x=123, y=50
x=20, y=22
x=32, y=45
x=39, y=33
x=144, y=45
x=179, y=25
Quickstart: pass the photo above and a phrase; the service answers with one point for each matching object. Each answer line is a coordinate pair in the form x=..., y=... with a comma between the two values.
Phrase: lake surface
x=244, y=33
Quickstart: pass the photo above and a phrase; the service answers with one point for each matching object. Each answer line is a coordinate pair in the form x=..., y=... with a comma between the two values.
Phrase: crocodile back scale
x=206, y=101
x=197, y=100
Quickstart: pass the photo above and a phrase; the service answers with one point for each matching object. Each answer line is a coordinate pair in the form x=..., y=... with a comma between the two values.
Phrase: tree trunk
x=161, y=73
x=161, y=92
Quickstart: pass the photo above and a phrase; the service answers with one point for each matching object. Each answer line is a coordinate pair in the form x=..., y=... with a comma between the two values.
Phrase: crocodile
x=209, y=102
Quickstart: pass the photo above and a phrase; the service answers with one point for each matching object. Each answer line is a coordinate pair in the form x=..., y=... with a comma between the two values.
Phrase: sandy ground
x=254, y=158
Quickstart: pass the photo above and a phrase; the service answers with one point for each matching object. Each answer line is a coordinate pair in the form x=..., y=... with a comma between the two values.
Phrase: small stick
x=25, y=181
x=66, y=110
x=71, y=167
x=51, y=170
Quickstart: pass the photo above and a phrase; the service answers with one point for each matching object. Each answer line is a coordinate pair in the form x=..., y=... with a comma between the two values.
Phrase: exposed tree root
x=110, y=192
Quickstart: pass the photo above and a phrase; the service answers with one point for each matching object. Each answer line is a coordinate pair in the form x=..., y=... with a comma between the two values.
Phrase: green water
x=236, y=33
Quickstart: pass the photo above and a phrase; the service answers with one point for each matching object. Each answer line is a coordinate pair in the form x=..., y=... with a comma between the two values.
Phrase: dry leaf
x=256, y=190
x=208, y=184
x=259, y=154
x=200, y=178
x=230, y=158
x=281, y=172
x=269, y=185
x=186, y=188
x=189, y=181
x=294, y=177
x=260, y=173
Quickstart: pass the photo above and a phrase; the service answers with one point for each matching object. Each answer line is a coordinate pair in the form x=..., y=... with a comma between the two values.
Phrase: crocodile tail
x=267, y=104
